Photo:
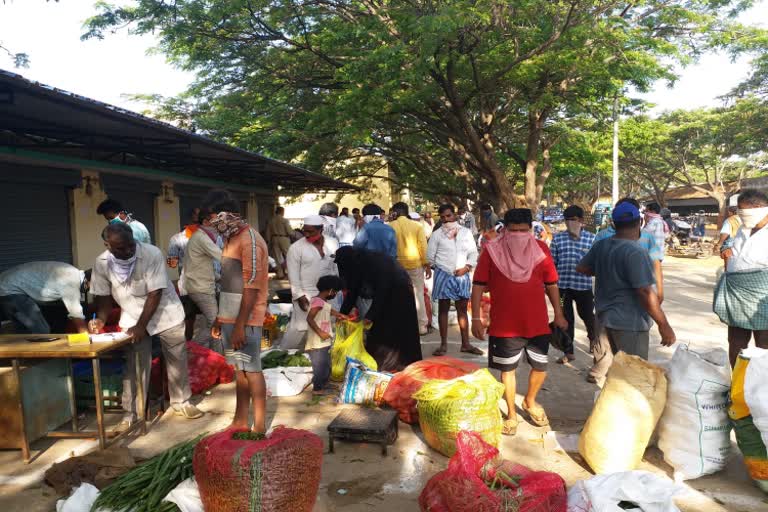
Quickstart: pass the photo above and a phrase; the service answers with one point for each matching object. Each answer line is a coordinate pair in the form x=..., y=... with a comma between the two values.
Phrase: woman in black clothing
x=393, y=340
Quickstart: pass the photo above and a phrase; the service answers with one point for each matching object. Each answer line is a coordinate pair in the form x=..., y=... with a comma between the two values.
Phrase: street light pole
x=615, y=188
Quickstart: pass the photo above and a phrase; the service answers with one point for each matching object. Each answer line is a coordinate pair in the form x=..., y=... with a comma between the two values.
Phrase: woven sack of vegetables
x=464, y=403
x=238, y=472
x=399, y=393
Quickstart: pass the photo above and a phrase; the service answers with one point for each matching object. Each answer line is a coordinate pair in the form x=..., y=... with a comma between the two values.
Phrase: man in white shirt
x=201, y=256
x=346, y=229
x=329, y=212
x=309, y=259
x=24, y=287
x=133, y=274
x=452, y=253
x=749, y=253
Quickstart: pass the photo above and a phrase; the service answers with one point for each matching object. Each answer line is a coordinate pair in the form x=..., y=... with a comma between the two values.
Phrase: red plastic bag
x=399, y=393
x=206, y=369
x=278, y=474
x=473, y=482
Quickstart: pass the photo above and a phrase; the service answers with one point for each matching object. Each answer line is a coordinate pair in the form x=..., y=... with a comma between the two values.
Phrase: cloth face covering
x=573, y=227
x=751, y=217
x=651, y=215
x=451, y=229
x=121, y=268
x=227, y=224
x=515, y=254
x=370, y=218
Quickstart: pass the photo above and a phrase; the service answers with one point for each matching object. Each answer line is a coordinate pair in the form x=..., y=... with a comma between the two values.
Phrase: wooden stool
x=364, y=425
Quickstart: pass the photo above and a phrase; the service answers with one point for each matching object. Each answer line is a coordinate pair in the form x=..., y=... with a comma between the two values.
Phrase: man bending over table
x=133, y=274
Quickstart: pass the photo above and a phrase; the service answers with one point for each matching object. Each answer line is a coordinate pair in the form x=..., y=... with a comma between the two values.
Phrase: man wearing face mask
x=133, y=274
x=308, y=260
x=625, y=298
x=114, y=212
x=374, y=234
x=518, y=271
x=568, y=248
x=741, y=296
x=488, y=219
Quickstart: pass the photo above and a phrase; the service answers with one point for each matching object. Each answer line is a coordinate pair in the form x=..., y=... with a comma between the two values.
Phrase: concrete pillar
x=85, y=224
x=167, y=220
x=252, y=215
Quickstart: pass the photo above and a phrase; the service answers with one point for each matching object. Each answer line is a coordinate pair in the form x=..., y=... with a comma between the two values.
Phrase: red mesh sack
x=278, y=474
x=399, y=393
x=474, y=482
x=206, y=368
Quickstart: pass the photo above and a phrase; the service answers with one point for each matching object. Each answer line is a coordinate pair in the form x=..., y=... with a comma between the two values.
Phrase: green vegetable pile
x=143, y=488
x=277, y=358
x=249, y=436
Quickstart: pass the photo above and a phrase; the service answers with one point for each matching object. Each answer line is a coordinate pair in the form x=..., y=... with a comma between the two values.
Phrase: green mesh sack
x=471, y=403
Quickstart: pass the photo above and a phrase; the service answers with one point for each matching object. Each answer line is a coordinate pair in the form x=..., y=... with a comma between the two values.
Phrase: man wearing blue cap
x=625, y=298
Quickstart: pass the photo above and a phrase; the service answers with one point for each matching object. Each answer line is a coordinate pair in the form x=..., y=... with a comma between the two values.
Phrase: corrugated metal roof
x=48, y=119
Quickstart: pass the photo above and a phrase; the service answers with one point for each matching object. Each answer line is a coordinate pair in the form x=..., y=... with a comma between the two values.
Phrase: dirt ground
x=358, y=478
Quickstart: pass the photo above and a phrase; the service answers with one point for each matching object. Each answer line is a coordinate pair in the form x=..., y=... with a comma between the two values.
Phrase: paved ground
x=358, y=478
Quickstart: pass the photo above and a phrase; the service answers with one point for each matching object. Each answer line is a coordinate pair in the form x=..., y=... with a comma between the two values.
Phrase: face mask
x=573, y=227
x=314, y=238
x=751, y=217
x=116, y=220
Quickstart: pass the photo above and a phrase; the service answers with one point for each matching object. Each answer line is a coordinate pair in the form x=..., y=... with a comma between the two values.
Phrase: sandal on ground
x=472, y=350
x=509, y=427
x=537, y=415
x=440, y=351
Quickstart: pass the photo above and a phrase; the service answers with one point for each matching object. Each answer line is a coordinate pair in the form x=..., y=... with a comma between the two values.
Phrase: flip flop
x=509, y=427
x=440, y=352
x=537, y=415
x=472, y=350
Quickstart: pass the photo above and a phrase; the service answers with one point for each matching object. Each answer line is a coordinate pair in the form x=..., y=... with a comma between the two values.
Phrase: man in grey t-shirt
x=625, y=298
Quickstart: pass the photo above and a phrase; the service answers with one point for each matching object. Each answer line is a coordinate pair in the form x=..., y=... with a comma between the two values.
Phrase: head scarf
x=228, y=224
x=450, y=229
x=515, y=255
x=122, y=269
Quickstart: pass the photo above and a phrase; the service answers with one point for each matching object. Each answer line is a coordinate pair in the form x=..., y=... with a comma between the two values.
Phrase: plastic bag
x=280, y=473
x=466, y=403
x=349, y=343
x=474, y=482
x=399, y=393
x=603, y=493
x=755, y=392
x=186, y=496
x=363, y=386
x=81, y=500
x=694, y=431
x=287, y=380
x=748, y=436
x=623, y=419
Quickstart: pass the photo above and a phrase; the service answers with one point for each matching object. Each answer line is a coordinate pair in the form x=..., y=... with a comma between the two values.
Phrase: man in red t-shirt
x=518, y=271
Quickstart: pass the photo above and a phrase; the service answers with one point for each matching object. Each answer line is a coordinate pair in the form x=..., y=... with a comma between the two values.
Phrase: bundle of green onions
x=143, y=488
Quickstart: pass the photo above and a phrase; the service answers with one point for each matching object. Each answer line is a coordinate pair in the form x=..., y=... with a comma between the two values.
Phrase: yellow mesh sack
x=469, y=403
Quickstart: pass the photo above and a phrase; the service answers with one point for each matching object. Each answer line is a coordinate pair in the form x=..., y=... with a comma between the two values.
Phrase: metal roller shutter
x=36, y=224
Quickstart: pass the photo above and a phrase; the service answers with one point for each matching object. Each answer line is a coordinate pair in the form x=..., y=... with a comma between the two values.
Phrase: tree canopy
x=461, y=98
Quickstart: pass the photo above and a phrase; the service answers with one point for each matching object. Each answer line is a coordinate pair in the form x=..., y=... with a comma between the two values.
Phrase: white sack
x=602, y=493
x=186, y=496
x=755, y=392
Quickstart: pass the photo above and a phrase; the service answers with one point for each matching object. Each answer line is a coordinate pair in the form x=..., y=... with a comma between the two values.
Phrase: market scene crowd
x=494, y=275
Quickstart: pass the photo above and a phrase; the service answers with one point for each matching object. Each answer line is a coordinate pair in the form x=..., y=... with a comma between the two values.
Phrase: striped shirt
x=567, y=253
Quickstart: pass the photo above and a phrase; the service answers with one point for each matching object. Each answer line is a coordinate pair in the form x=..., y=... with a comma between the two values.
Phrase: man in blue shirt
x=114, y=212
x=375, y=235
x=647, y=242
x=568, y=248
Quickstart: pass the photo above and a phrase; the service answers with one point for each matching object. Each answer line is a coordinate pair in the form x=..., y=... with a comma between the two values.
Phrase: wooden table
x=17, y=347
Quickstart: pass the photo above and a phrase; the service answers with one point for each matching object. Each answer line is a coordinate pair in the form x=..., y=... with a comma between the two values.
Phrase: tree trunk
x=532, y=194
